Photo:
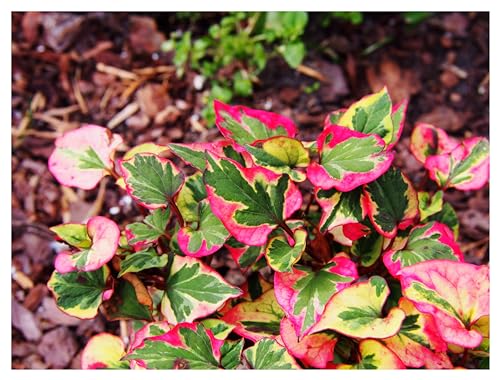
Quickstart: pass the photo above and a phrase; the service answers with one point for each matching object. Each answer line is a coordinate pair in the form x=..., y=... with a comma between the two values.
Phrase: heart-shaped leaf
x=427, y=140
x=207, y=236
x=313, y=350
x=269, y=354
x=348, y=159
x=280, y=255
x=374, y=355
x=190, y=196
x=456, y=294
x=74, y=234
x=141, y=234
x=418, y=343
x=194, y=290
x=104, y=351
x=447, y=216
x=467, y=167
x=104, y=234
x=368, y=248
x=250, y=202
x=430, y=241
x=186, y=346
x=194, y=154
x=391, y=203
x=244, y=125
x=244, y=255
x=83, y=156
x=356, y=311
x=152, y=181
x=256, y=319
x=139, y=261
x=281, y=155
x=372, y=115
x=303, y=293
x=148, y=330
x=80, y=294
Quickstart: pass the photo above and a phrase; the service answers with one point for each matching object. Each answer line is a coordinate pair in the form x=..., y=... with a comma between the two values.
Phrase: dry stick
x=99, y=201
x=123, y=115
x=177, y=213
x=310, y=72
x=120, y=73
x=78, y=94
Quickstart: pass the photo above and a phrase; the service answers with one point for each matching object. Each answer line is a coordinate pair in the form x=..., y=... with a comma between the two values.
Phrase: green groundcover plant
x=347, y=264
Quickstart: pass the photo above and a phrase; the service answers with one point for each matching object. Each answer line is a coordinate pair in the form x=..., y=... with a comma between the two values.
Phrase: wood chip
x=24, y=320
x=123, y=115
x=312, y=73
x=23, y=280
x=120, y=73
x=35, y=297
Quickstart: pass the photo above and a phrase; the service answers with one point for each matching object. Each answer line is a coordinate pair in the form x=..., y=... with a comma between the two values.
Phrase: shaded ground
x=107, y=69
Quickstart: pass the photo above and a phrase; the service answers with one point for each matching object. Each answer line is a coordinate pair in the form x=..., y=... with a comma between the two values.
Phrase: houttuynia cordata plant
x=347, y=264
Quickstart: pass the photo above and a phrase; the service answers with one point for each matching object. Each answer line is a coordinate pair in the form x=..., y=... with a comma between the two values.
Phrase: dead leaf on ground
x=61, y=29
x=58, y=347
x=444, y=117
x=401, y=83
x=24, y=320
x=144, y=35
x=49, y=312
x=152, y=98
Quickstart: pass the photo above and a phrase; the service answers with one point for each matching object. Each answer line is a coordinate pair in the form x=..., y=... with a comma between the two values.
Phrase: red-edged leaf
x=151, y=180
x=456, y=294
x=467, y=167
x=83, y=156
x=348, y=159
x=269, y=354
x=244, y=125
x=194, y=290
x=398, y=117
x=250, y=202
x=427, y=140
x=430, y=241
x=186, y=346
x=418, y=343
x=313, y=350
x=256, y=319
x=391, y=202
x=141, y=234
x=374, y=355
x=104, y=351
x=105, y=235
x=356, y=311
x=244, y=255
x=303, y=293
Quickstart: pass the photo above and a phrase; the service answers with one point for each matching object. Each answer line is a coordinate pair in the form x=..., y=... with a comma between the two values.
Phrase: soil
x=107, y=69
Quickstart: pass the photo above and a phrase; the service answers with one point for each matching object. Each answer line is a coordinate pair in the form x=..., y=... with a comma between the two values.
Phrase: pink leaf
x=83, y=156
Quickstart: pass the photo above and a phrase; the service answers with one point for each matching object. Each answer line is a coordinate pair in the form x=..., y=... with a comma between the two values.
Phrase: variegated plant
x=361, y=272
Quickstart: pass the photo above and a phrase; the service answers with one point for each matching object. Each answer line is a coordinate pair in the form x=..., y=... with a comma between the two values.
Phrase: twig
x=306, y=70
x=63, y=111
x=78, y=94
x=120, y=73
x=99, y=48
x=99, y=201
x=123, y=115
x=24, y=281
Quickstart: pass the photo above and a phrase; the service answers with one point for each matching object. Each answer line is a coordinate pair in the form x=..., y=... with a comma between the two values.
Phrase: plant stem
x=287, y=229
x=177, y=213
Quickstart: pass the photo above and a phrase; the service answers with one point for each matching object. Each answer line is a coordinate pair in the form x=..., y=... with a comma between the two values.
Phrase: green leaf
x=139, y=261
x=190, y=196
x=269, y=354
x=356, y=311
x=281, y=256
x=348, y=159
x=256, y=319
x=372, y=114
x=281, y=155
x=304, y=293
x=219, y=328
x=74, y=234
x=374, y=355
x=392, y=203
x=251, y=202
x=447, y=216
x=339, y=208
x=194, y=290
x=130, y=300
x=231, y=353
x=242, y=84
x=368, y=248
x=79, y=294
x=151, y=180
x=293, y=52
x=186, y=346
x=205, y=237
x=149, y=230
x=429, y=205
